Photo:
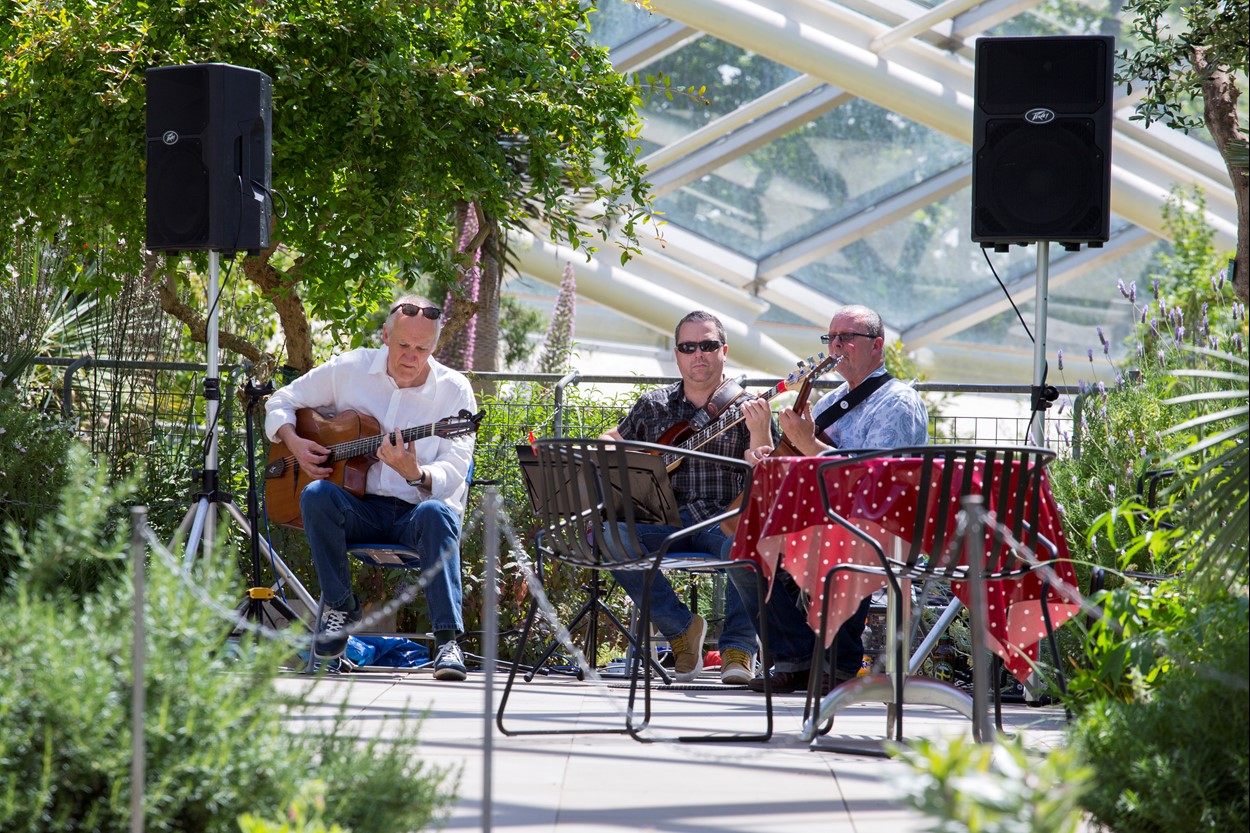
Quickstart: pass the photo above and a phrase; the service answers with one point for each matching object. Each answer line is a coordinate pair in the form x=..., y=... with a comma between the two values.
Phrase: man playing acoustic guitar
x=414, y=495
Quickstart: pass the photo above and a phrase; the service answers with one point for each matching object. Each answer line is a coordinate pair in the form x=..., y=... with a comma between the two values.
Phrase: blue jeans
x=334, y=517
x=790, y=639
x=668, y=613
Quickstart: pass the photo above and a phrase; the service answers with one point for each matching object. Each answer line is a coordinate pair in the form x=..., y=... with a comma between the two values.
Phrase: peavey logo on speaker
x=170, y=137
x=1039, y=115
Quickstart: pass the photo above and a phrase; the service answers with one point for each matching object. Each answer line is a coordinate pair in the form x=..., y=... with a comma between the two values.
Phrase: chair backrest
x=591, y=497
x=1007, y=478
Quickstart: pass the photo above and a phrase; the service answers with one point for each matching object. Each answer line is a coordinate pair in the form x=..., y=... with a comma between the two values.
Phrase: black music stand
x=594, y=606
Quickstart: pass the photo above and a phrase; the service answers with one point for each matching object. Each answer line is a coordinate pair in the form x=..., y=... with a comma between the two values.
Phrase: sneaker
x=331, y=640
x=688, y=650
x=449, y=664
x=735, y=666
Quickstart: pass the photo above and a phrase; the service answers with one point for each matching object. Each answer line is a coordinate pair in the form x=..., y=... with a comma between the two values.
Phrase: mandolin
x=683, y=436
x=353, y=440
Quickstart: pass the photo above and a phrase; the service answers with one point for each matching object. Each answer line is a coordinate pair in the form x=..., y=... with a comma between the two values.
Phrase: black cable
x=994, y=272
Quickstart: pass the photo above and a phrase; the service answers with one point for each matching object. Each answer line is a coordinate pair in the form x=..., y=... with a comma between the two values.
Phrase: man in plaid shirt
x=702, y=490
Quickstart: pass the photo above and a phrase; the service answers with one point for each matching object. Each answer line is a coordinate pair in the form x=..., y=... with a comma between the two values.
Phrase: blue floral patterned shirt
x=892, y=417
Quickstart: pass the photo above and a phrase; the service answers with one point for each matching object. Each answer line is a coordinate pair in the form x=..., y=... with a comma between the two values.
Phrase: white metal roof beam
x=921, y=23
x=863, y=223
x=730, y=122
x=1023, y=289
x=756, y=134
x=650, y=304
x=987, y=15
x=650, y=46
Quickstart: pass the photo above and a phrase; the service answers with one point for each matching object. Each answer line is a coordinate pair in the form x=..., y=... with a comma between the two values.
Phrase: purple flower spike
x=1061, y=360
x=1102, y=338
x=1180, y=333
x=1120, y=286
x=1132, y=291
x=1131, y=437
x=1090, y=354
x=1102, y=389
x=1141, y=350
x=1119, y=380
x=1223, y=275
x=1156, y=287
x=1144, y=310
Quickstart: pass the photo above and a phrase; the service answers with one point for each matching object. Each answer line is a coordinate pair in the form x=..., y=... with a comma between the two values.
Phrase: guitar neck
x=731, y=417
x=362, y=446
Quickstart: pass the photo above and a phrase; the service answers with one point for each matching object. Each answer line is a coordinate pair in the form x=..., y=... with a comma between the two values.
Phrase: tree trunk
x=486, y=349
x=1220, y=96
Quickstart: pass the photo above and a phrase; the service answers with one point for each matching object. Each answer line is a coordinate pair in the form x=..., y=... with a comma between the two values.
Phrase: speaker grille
x=1036, y=178
x=178, y=183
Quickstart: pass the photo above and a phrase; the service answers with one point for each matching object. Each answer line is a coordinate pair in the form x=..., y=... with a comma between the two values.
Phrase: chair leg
x=520, y=652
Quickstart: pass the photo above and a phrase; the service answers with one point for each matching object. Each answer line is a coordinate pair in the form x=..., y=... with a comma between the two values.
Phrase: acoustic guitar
x=783, y=448
x=353, y=440
x=684, y=436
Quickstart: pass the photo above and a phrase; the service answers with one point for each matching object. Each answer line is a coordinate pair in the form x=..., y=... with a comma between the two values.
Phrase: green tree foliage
x=1198, y=50
x=386, y=116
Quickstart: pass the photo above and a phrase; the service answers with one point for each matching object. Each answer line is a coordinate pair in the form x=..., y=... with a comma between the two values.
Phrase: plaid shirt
x=702, y=489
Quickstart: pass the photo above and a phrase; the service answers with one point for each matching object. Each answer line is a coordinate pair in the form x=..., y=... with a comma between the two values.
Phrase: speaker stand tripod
x=1042, y=393
x=199, y=523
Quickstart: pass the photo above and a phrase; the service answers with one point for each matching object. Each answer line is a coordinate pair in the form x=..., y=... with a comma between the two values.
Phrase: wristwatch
x=423, y=481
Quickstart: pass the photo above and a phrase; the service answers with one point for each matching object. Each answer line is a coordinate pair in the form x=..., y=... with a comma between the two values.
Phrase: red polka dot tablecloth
x=785, y=524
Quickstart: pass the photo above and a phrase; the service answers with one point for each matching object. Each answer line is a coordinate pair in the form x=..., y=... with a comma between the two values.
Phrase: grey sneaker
x=449, y=662
x=331, y=639
x=688, y=650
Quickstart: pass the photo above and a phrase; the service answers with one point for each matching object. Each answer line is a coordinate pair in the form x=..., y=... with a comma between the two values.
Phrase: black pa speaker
x=1041, y=140
x=209, y=139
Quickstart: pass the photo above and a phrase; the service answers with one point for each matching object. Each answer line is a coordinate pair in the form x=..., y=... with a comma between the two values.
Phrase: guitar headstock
x=459, y=425
x=809, y=369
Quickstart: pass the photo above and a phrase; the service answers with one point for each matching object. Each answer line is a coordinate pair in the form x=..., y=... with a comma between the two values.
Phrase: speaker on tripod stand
x=1041, y=163
x=208, y=189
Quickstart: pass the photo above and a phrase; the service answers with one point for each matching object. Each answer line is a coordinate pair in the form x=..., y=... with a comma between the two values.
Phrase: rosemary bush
x=217, y=741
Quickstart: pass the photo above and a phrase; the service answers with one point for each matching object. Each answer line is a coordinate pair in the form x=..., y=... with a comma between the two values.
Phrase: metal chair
x=1008, y=480
x=597, y=494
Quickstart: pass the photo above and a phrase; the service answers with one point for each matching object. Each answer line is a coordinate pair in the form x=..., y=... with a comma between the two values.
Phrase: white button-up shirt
x=358, y=381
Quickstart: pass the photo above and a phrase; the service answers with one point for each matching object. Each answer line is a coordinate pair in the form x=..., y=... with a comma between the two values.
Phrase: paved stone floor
x=610, y=782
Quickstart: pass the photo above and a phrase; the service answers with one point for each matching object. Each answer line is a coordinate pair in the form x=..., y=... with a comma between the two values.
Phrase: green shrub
x=1175, y=757
x=218, y=743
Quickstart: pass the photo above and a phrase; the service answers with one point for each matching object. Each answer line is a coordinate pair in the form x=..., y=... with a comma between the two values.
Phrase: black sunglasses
x=431, y=313
x=702, y=346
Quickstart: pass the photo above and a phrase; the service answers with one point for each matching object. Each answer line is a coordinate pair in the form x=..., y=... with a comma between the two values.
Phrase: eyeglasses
x=842, y=338
x=431, y=313
x=689, y=347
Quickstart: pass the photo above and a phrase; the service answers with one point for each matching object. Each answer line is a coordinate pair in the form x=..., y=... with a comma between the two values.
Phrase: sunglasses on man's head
x=702, y=346
x=431, y=313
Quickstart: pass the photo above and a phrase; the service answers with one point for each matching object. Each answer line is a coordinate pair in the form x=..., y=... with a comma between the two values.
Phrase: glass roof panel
x=732, y=77
x=1076, y=311
x=615, y=23
x=826, y=171
x=919, y=266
